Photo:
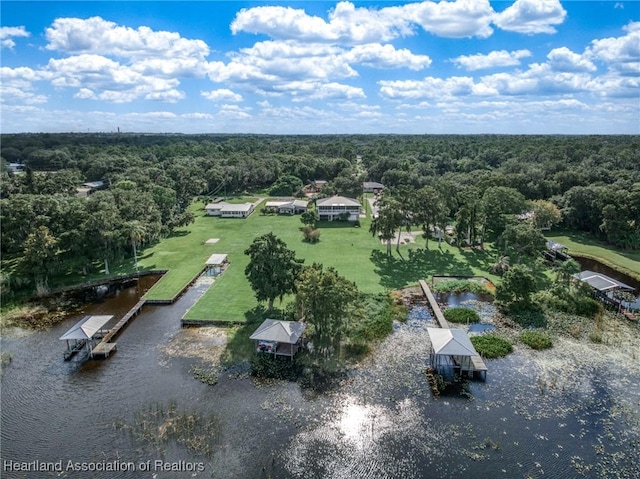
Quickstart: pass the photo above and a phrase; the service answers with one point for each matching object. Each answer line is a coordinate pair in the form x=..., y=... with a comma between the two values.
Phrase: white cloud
x=386, y=56
x=100, y=37
x=350, y=25
x=500, y=58
x=109, y=80
x=346, y=24
x=461, y=18
x=430, y=87
x=563, y=59
x=221, y=95
x=531, y=16
x=622, y=54
x=197, y=116
x=234, y=112
x=17, y=85
x=7, y=33
x=85, y=94
x=334, y=91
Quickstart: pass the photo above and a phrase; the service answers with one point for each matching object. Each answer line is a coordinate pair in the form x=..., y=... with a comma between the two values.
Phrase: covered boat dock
x=280, y=338
x=452, y=349
x=85, y=334
x=216, y=264
x=604, y=288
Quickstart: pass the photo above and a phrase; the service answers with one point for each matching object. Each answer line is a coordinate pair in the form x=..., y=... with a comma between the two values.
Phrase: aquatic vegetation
x=461, y=315
x=158, y=426
x=461, y=286
x=536, y=340
x=204, y=375
x=491, y=346
x=267, y=366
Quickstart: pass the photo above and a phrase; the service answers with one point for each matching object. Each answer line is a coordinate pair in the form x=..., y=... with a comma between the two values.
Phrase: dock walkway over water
x=105, y=347
x=451, y=346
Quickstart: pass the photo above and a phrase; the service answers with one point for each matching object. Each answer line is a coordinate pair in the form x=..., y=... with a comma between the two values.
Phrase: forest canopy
x=150, y=180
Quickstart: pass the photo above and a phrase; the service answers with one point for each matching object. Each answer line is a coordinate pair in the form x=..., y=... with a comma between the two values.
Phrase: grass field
x=352, y=251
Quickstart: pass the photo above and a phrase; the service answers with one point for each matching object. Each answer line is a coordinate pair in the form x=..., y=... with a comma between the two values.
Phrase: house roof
x=372, y=184
x=87, y=327
x=214, y=206
x=237, y=207
x=276, y=204
x=279, y=331
x=216, y=259
x=337, y=201
x=451, y=342
x=601, y=282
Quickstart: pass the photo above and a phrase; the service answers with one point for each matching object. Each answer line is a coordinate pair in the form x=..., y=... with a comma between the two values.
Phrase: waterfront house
x=287, y=207
x=229, y=210
x=338, y=207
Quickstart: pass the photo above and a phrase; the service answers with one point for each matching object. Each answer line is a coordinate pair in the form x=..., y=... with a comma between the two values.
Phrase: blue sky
x=457, y=66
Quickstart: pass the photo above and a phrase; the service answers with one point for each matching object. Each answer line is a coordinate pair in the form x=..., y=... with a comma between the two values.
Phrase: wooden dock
x=476, y=363
x=105, y=347
x=434, y=305
x=102, y=350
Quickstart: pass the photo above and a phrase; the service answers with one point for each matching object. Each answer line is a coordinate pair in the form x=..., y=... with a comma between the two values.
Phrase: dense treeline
x=151, y=179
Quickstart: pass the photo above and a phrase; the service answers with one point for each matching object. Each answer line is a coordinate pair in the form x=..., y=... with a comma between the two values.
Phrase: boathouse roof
x=87, y=327
x=287, y=332
x=451, y=342
x=601, y=282
x=216, y=259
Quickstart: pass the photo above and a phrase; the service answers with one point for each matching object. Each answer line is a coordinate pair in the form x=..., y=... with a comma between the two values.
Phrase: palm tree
x=136, y=233
x=501, y=266
x=565, y=271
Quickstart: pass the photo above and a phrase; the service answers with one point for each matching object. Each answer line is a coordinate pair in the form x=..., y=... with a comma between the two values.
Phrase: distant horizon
x=293, y=67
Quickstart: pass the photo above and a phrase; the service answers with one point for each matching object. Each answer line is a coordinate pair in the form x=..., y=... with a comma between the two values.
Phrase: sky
x=315, y=67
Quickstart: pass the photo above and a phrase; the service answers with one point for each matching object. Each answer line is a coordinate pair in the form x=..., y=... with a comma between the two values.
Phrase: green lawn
x=352, y=251
x=583, y=245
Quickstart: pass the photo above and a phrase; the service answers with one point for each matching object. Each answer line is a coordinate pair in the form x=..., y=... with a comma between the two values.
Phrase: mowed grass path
x=352, y=251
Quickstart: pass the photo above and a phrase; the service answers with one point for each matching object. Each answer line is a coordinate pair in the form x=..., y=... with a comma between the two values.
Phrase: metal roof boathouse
x=85, y=333
x=280, y=338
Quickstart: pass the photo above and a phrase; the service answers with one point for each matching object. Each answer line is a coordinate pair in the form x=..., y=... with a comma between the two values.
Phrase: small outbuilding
x=280, y=338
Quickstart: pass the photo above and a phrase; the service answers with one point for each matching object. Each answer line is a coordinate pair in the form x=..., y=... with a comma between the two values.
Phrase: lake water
x=573, y=411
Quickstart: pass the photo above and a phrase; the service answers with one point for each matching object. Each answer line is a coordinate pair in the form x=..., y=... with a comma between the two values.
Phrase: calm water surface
x=571, y=412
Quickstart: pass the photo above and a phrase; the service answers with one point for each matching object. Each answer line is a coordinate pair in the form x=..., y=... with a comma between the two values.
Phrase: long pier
x=442, y=322
x=476, y=362
x=105, y=347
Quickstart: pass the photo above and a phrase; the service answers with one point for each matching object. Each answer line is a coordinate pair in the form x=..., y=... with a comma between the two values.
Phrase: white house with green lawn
x=338, y=207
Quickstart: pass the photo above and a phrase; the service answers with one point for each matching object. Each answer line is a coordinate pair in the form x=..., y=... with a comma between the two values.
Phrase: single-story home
x=288, y=207
x=372, y=187
x=331, y=209
x=229, y=210
x=280, y=338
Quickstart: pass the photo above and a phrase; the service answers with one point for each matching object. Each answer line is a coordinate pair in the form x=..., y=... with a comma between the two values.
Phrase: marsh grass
x=536, y=340
x=159, y=426
x=491, y=346
x=461, y=315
